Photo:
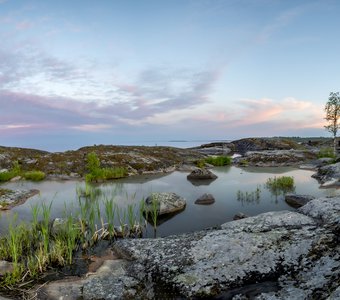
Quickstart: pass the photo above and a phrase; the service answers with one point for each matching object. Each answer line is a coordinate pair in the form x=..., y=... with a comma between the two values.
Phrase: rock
x=295, y=200
x=331, y=183
x=205, y=199
x=273, y=158
x=16, y=178
x=13, y=198
x=5, y=266
x=201, y=174
x=240, y=216
x=167, y=203
x=108, y=282
x=298, y=251
x=328, y=173
x=3, y=170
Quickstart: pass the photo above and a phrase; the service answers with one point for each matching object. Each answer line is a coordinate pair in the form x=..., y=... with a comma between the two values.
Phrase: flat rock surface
x=298, y=250
x=11, y=198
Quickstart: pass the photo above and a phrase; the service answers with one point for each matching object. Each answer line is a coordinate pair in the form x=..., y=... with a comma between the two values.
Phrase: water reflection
x=234, y=190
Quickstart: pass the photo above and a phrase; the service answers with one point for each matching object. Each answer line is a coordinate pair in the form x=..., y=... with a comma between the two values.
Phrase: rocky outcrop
x=275, y=255
x=166, y=203
x=274, y=158
x=205, y=199
x=328, y=175
x=72, y=164
x=299, y=252
x=295, y=200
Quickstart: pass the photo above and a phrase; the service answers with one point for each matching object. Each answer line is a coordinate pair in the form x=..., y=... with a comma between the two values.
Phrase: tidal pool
x=234, y=191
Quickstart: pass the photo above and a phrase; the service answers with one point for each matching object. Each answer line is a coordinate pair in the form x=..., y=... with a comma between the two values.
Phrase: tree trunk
x=335, y=146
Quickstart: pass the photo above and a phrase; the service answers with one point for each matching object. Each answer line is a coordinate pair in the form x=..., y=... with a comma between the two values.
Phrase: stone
x=240, y=216
x=167, y=203
x=328, y=173
x=295, y=200
x=201, y=174
x=298, y=251
x=205, y=199
x=5, y=266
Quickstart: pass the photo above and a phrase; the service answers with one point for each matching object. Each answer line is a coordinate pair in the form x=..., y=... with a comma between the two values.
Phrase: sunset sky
x=78, y=72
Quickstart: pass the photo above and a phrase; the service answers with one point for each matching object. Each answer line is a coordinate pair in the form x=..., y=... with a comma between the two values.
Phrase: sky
x=82, y=72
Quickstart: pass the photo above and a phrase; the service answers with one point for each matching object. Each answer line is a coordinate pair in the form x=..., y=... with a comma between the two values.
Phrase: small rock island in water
x=274, y=255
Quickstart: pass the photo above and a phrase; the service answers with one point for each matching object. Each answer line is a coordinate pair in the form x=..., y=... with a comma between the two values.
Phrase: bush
x=34, y=175
x=219, y=160
x=92, y=162
x=326, y=152
x=281, y=184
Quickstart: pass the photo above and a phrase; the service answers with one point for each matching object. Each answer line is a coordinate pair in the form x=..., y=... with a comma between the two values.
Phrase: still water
x=229, y=190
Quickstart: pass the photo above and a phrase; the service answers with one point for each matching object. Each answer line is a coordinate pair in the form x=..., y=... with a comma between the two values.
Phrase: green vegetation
x=8, y=175
x=280, y=185
x=218, y=160
x=96, y=173
x=332, y=110
x=34, y=175
x=33, y=248
x=16, y=171
x=326, y=152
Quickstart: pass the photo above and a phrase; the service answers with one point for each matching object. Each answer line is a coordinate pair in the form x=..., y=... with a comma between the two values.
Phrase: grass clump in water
x=278, y=185
x=218, y=160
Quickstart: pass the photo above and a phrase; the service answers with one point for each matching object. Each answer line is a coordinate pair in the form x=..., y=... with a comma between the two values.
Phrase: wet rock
x=167, y=203
x=295, y=200
x=201, y=174
x=297, y=250
x=205, y=199
x=240, y=216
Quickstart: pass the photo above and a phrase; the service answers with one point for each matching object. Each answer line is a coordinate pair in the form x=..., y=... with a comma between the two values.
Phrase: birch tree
x=332, y=110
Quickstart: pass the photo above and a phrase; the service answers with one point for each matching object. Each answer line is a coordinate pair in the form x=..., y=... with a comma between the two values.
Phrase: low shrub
x=34, y=175
x=6, y=176
x=326, y=152
x=218, y=160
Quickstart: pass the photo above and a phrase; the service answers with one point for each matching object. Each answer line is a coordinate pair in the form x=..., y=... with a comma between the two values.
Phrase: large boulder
x=327, y=174
x=295, y=200
x=298, y=253
x=166, y=203
x=201, y=174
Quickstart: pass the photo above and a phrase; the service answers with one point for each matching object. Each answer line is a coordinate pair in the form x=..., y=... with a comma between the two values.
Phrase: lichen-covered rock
x=297, y=250
x=167, y=203
x=295, y=200
x=205, y=199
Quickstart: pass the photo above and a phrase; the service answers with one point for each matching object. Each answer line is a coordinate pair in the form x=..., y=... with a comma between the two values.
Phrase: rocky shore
x=275, y=255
